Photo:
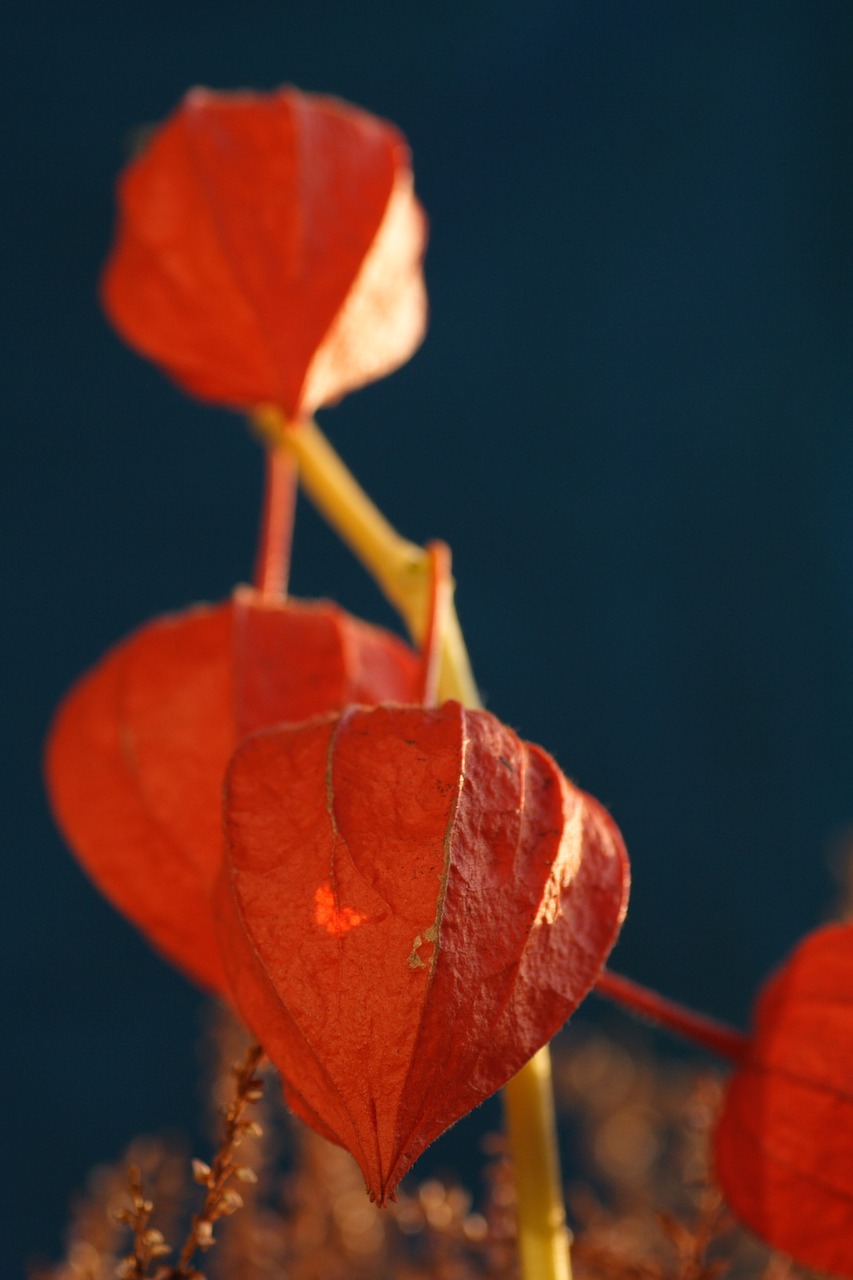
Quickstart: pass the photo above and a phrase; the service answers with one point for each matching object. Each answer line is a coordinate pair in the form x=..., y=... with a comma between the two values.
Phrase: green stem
x=401, y=568
x=543, y=1238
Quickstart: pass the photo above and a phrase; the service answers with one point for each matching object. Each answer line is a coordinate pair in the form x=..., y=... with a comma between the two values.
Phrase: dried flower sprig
x=149, y=1244
x=221, y=1199
x=96, y=1235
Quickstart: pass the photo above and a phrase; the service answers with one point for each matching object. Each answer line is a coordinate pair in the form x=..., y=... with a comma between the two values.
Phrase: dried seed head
x=204, y=1233
x=201, y=1172
x=230, y=1201
x=244, y=1173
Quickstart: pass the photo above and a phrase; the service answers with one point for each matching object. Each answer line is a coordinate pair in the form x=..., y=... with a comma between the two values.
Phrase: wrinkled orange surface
x=138, y=751
x=412, y=903
x=269, y=249
x=785, y=1137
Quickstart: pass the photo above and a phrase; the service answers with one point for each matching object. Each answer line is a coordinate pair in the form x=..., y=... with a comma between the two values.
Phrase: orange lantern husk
x=412, y=902
x=268, y=250
x=138, y=750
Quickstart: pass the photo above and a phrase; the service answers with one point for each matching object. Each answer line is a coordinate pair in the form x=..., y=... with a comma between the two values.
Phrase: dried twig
x=149, y=1248
x=222, y=1199
x=148, y=1242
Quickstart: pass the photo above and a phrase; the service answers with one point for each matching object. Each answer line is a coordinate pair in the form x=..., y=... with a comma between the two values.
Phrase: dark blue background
x=630, y=419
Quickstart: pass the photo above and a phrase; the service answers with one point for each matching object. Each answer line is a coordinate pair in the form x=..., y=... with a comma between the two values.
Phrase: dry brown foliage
x=643, y=1205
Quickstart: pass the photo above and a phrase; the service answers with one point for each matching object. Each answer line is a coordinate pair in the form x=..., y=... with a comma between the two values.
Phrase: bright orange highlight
x=334, y=919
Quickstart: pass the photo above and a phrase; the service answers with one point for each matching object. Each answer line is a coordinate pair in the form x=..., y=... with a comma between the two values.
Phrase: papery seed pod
x=412, y=902
x=139, y=747
x=784, y=1143
x=269, y=250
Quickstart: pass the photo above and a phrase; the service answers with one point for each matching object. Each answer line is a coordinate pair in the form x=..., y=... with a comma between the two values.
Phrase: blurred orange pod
x=783, y=1144
x=269, y=250
x=137, y=753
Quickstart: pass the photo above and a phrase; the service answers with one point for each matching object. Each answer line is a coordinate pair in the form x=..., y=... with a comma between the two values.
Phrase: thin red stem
x=707, y=1032
x=440, y=600
x=272, y=563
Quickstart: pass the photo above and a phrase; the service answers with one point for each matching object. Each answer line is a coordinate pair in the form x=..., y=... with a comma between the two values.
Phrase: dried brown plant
x=149, y=1248
x=644, y=1207
x=96, y=1235
x=647, y=1207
